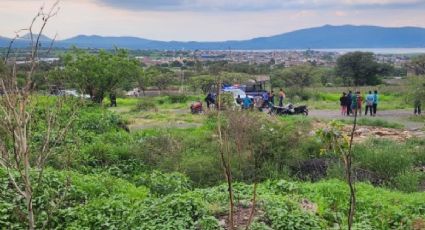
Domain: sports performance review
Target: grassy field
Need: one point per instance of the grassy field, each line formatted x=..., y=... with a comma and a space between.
x=167, y=173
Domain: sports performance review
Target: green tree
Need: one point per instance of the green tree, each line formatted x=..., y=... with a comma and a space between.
x=416, y=89
x=164, y=80
x=144, y=78
x=203, y=82
x=417, y=65
x=97, y=74
x=358, y=68
x=297, y=76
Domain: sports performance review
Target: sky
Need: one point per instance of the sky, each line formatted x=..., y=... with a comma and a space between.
x=206, y=20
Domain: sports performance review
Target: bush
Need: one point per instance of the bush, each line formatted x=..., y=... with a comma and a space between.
x=297, y=94
x=407, y=182
x=144, y=105
x=382, y=159
x=162, y=184
x=174, y=99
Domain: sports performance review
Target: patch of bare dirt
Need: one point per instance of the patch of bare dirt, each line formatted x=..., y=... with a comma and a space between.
x=363, y=133
x=241, y=217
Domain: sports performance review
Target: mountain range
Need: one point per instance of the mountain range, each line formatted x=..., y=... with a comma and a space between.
x=324, y=37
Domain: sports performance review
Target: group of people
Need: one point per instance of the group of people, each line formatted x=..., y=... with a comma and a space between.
x=352, y=103
x=267, y=99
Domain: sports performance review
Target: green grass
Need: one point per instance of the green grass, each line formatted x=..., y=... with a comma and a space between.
x=374, y=122
x=417, y=118
x=330, y=101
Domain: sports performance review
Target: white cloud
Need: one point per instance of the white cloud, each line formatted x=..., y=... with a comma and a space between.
x=254, y=5
x=89, y=17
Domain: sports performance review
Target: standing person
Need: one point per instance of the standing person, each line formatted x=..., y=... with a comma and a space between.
x=349, y=102
x=359, y=102
x=369, y=103
x=113, y=99
x=209, y=100
x=343, y=103
x=265, y=100
x=271, y=97
x=375, y=102
x=281, y=97
x=354, y=105
x=417, y=106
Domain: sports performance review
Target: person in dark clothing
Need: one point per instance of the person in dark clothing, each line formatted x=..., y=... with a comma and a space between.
x=113, y=99
x=349, y=102
x=239, y=100
x=209, y=100
x=417, y=107
x=343, y=103
x=271, y=97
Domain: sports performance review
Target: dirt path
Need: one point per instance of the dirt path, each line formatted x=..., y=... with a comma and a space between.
x=394, y=116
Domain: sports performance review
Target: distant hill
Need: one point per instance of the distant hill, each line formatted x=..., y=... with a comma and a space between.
x=27, y=37
x=325, y=37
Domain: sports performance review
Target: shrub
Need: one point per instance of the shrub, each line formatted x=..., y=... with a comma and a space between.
x=407, y=182
x=287, y=215
x=174, y=99
x=162, y=184
x=383, y=159
x=298, y=94
x=145, y=105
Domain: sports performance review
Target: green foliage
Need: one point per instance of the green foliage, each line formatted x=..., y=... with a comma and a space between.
x=358, y=68
x=375, y=122
x=178, y=98
x=383, y=159
x=286, y=215
x=417, y=64
x=162, y=184
x=144, y=105
x=416, y=93
x=297, y=76
x=407, y=181
x=203, y=82
x=98, y=74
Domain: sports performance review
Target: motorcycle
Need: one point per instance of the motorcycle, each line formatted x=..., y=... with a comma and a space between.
x=288, y=110
x=196, y=108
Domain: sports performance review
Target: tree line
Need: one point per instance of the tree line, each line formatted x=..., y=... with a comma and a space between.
x=98, y=74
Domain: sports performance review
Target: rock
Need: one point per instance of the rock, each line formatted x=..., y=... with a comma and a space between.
x=222, y=223
x=363, y=131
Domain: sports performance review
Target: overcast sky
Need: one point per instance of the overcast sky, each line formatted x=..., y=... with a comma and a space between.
x=207, y=20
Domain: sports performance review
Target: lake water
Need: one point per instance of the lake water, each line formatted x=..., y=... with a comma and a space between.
x=373, y=50
x=379, y=50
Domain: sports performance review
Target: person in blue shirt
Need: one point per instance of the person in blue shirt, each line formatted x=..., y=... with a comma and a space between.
x=247, y=103
x=370, y=98
x=265, y=99
x=375, y=102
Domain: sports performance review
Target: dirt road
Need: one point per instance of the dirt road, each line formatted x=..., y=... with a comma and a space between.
x=395, y=116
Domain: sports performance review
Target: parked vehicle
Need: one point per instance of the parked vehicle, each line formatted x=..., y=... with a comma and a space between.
x=255, y=89
x=288, y=110
x=73, y=93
